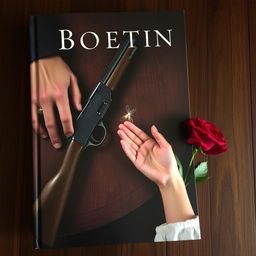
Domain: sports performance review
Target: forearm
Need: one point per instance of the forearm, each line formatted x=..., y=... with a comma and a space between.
x=176, y=203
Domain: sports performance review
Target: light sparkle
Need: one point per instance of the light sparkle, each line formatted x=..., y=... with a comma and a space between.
x=129, y=114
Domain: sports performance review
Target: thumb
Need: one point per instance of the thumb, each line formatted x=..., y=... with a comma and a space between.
x=76, y=95
x=161, y=141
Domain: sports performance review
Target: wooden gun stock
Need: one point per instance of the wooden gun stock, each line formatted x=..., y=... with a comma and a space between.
x=50, y=204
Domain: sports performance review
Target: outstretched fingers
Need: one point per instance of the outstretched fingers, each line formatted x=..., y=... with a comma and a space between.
x=124, y=137
x=130, y=153
x=161, y=141
x=133, y=137
x=141, y=135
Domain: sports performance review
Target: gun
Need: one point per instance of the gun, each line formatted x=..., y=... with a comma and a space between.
x=50, y=204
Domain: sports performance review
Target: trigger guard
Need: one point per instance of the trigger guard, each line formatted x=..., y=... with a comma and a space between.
x=94, y=142
x=92, y=139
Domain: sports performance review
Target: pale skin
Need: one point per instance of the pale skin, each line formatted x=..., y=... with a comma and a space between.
x=154, y=157
x=51, y=79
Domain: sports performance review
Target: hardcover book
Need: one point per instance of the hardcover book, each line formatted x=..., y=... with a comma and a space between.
x=109, y=96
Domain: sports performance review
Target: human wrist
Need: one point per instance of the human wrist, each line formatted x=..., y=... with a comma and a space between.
x=173, y=182
x=174, y=193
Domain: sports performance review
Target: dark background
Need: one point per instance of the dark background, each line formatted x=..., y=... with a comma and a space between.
x=221, y=60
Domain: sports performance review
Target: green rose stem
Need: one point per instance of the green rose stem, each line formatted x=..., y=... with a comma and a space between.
x=195, y=150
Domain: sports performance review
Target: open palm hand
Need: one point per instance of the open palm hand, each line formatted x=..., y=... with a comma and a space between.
x=153, y=157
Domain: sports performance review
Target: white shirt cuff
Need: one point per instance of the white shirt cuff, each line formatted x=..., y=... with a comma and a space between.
x=185, y=230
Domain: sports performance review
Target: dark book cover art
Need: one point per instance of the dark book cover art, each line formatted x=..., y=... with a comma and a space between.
x=103, y=85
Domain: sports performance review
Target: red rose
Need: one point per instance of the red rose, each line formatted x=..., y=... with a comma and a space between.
x=207, y=136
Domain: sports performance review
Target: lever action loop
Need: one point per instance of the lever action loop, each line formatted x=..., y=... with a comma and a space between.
x=95, y=142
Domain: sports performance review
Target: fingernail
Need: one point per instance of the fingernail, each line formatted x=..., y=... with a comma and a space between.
x=69, y=134
x=57, y=145
x=44, y=136
x=79, y=106
x=154, y=127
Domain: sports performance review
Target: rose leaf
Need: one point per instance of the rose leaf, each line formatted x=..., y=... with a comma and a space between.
x=202, y=179
x=201, y=171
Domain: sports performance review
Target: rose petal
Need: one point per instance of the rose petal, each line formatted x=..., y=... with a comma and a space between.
x=206, y=135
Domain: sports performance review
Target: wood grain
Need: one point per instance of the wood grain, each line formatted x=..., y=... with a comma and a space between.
x=252, y=59
x=231, y=186
x=221, y=50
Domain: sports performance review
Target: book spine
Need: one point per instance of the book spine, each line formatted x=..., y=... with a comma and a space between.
x=35, y=140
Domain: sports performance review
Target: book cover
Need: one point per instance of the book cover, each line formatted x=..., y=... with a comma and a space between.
x=109, y=95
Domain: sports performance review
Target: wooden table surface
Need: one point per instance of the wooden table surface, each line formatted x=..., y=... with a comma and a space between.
x=221, y=42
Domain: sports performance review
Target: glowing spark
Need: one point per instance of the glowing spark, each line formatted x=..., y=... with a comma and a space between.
x=128, y=115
